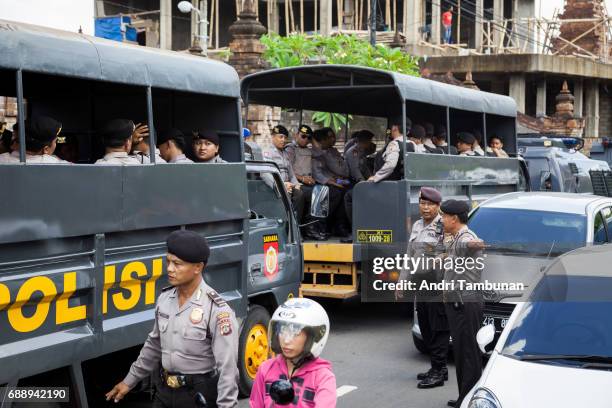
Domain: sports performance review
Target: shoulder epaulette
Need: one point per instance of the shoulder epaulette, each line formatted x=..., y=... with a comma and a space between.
x=216, y=298
x=167, y=288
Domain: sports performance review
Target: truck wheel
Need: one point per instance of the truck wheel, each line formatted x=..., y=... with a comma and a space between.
x=420, y=344
x=253, y=347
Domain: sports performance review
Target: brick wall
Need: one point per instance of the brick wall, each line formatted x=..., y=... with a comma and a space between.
x=605, y=112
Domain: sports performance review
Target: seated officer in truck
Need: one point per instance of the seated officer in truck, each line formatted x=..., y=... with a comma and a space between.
x=439, y=139
x=171, y=145
x=117, y=139
x=465, y=141
x=206, y=147
x=389, y=162
x=41, y=134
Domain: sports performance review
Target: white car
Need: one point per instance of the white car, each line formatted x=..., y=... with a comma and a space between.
x=556, y=350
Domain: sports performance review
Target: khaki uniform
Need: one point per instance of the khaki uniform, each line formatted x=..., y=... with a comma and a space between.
x=391, y=157
x=197, y=338
x=9, y=158
x=356, y=162
x=117, y=158
x=45, y=159
x=144, y=158
x=300, y=159
x=181, y=158
x=327, y=164
x=282, y=161
x=216, y=159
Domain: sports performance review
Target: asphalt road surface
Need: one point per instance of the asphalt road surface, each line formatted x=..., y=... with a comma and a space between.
x=375, y=362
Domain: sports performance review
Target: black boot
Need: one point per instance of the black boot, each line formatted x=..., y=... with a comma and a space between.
x=311, y=232
x=452, y=403
x=443, y=370
x=435, y=379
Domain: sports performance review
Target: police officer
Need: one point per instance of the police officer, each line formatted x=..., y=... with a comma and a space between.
x=389, y=162
x=206, y=147
x=299, y=155
x=141, y=148
x=277, y=154
x=439, y=139
x=117, y=139
x=171, y=144
x=195, y=335
x=464, y=308
x=356, y=159
x=465, y=141
x=41, y=134
x=427, y=240
x=427, y=140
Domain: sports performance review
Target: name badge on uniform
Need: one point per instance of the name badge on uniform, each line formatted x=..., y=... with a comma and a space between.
x=196, y=315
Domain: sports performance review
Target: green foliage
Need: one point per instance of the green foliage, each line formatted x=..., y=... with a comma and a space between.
x=297, y=49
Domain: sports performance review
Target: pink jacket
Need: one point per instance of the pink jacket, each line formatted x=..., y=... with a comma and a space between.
x=314, y=384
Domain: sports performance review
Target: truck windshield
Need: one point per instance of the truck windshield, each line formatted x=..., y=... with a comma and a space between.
x=528, y=231
x=554, y=327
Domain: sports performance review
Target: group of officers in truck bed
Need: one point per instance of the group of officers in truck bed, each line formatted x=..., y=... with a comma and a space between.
x=311, y=158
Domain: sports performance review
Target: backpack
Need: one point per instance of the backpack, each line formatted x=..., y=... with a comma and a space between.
x=398, y=172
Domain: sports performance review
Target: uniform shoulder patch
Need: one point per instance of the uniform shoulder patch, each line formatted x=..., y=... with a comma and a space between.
x=216, y=298
x=224, y=323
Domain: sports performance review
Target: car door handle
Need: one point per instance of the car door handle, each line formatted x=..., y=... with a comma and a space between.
x=256, y=267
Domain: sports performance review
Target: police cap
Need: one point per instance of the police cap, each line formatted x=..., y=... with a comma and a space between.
x=454, y=207
x=189, y=246
x=171, y=134
x=430, y=194
x=280, y=130
x=305, y=130
x=207, y=135
x=466, y=137
x=42, y=129
x=364, y=135
x=116, y=132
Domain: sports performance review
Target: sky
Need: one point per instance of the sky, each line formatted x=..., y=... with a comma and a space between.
x=62, y=14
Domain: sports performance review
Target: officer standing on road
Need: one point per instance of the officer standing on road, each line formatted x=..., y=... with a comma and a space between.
x=464, y=308
x=195, y=335
x=427, y=240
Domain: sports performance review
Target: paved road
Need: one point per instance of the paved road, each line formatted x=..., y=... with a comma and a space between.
x=370, y=347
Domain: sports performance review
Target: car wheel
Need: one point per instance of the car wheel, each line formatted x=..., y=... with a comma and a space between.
x=253, y=347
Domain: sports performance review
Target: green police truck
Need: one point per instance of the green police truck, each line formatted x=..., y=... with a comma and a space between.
x=82, y=247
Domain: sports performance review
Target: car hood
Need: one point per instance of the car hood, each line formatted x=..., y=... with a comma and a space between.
x=520, y=384
x=513, y=268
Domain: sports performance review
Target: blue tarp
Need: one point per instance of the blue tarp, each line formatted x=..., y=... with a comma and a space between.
x=110, y=28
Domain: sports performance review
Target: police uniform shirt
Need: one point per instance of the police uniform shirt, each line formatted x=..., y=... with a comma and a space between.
x=355, y=160
x=216, y=159
x=457, y=247
x=9, y=158
x=422, y=236
x=117, y=158
x=328, y=164
x=144, y=158
x=468, y=153
x=44, y=159
x=181, y=158
x=390, y=157
x=197, y=338
x=282, y=161
x=478, y=150
x=300, y=159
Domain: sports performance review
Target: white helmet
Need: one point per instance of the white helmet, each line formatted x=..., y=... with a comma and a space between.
x=299, y=314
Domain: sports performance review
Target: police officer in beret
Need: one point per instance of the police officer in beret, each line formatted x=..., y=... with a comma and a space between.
x=464, y=308
x=117, y=139
x=465, y=141
x=206, y=147
x=195, y=335
x=171, y=145
x=41, y=134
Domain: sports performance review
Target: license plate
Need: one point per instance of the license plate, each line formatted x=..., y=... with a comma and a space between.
x=498, y=322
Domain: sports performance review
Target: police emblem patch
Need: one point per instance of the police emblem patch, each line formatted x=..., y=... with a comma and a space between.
x=224, y=323
x=196, y=315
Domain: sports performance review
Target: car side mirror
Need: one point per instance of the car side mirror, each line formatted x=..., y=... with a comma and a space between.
x=485, y=336
x=545, y=180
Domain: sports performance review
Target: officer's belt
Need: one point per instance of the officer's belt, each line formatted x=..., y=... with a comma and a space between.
x=177, y=380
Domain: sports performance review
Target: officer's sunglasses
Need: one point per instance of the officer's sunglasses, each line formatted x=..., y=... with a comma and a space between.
x=304, y=136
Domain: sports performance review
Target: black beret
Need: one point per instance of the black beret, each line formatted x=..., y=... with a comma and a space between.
x=466, y=137
x=207, y=135
x=430, y=194
x=365, y=135
x=454, y=207
x=171, y=134
x=305, y=129
x=429, y=129
x=280, y=130
x=418, y=132
x=42, y=129
x=189, y=246
x=117, y=131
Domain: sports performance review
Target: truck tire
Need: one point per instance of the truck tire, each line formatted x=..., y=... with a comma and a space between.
x=253, y=347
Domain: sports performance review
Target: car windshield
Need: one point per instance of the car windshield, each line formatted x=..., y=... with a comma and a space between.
x=527, y=231
x=564, y=332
